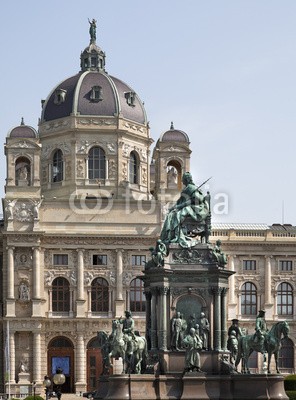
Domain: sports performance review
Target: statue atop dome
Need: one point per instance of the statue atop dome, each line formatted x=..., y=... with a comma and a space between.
x=93, y=30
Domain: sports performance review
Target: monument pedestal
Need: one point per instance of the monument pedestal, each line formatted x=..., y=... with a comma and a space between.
x=193, y=386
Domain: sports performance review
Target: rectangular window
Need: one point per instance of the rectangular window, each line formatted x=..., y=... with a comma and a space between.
x=99, y=259
x=249, y=265
x=138, y=260
x=286, y=265
x=60, y=259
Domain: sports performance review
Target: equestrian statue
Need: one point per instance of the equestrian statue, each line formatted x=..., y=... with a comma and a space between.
x=126, y=343
x=266, y=342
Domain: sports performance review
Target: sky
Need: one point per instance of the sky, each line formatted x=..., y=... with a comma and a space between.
x=222, y=70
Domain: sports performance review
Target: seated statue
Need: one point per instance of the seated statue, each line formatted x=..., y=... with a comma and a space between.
x=218, y=254
x=192, y=203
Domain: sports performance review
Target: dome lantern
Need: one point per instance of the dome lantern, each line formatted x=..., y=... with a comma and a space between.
x=93, y=57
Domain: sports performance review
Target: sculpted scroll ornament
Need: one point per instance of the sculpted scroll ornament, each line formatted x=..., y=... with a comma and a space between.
x=134, y=127
x=100, y=122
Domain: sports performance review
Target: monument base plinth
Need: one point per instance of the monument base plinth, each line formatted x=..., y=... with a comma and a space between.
x=193, y=386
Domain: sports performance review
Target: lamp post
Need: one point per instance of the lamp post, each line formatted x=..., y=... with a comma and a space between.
x=34, y=390
x=59, y=379
x=47, y=384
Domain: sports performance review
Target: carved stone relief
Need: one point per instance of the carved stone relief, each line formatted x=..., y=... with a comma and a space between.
x=23, y=258
x=134, y=127
x=126, y=150
x=144, y=175
x=88, y=277
x=80, y=169
x=68, y=170
x=92, y=121
x=112, y=169
x=23, y=212
x=124, y=171
x=127, y=277
x=47, y=149
x=24, y=291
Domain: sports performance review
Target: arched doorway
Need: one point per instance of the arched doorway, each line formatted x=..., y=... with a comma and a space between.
x=61, y=354
x=94, y=364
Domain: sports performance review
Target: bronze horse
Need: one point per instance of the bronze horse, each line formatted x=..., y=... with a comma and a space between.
x=272, y=345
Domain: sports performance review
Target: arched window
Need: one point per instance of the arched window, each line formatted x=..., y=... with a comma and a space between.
x=286, y=355
x=285, y=299
x=99, y=295
x=22, y=171
x=57, y=166
x=96, y=163
x=60, y=295
x=249, y=299
x=137, y=296
x=133, y=168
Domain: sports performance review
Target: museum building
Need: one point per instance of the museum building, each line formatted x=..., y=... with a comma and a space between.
x=85, y=198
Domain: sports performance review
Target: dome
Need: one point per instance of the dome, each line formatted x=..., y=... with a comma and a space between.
x=93, y=92
x=174, y=135
x=22, y=131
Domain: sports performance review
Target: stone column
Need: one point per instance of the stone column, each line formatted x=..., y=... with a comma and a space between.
x=37, y=357
x=268, y=301
x=239, y=302
x=36, y=273
x=10, y=301
x=231, y=297
x=162, y=331
x=50, y=302
x=119, y=302
x=80, y=362
x=153, y=319
x=148, y=297
x=80, y=301
x=80, y=275
x=119, y=287
x=89, y=302
x=217, y=318
x=224, y=319
x=71, y=314
x=12, y=357
x=10, y=273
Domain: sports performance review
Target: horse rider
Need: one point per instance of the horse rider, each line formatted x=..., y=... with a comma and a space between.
x=260, y=331
x=128, y=325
